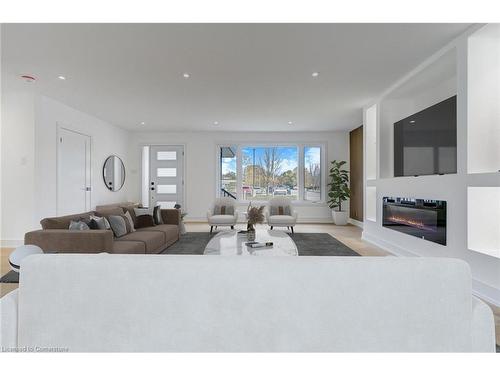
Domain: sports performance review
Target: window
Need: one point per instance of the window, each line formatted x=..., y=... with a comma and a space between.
x=268, y=172
x=312, y=173
x=258, y=173
x=228, y=171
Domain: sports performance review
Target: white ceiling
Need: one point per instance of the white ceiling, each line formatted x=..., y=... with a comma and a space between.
x=247, y=77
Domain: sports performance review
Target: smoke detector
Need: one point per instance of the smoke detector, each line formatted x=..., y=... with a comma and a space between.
x=28, y=78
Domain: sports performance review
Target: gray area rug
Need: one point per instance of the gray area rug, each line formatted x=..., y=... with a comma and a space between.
x=10, y=278
x=312, y=244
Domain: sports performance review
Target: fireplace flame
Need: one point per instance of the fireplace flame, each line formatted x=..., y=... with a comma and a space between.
x=410, y=222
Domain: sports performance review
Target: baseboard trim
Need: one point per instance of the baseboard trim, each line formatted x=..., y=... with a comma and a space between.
x=479, y=289
x=486, y=292
x=357, y=223
x=305, y=220
x=11, y=243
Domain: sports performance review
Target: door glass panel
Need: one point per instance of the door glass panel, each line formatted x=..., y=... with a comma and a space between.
x=166, y=204
x=166, y=189
x=166, y=155
x=166, y=172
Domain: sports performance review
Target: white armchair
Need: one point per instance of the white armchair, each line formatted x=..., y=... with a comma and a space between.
x=280, y=213
x=222, y=213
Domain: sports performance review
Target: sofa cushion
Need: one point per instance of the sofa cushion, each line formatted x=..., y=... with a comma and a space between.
x=154, y=241
x=114, y=205
x=106, y=212
x=129, y=247
x=62, y=222
x=170, y=232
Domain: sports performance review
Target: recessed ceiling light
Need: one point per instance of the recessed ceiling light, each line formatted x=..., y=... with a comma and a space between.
x=315, y=74
x=412, y=121
x=216, y=123
x=186, y=75
x=143, y=123
x=290, y=122
x=62, y=78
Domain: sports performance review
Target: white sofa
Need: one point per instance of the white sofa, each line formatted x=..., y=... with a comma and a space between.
x=188, y=303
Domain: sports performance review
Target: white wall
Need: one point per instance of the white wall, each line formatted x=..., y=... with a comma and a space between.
x=451, y=188
x=18, y=161
x=106, y=140
x=201, y=162
x=29, y=149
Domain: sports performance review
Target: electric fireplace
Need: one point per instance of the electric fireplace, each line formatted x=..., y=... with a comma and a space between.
x=421, y=218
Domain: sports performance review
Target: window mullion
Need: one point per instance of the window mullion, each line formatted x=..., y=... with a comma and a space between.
x=300, y=172
x=239, y=174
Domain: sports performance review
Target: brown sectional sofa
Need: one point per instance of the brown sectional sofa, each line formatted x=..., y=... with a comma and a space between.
x=55, y=237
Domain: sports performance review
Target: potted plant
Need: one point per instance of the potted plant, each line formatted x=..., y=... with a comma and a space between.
x=255, y=215
x=338, y=191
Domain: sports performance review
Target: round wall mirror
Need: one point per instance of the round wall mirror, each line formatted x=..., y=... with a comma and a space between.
x=113, y=173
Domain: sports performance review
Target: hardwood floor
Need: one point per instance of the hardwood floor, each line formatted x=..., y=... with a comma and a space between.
x=350, y=235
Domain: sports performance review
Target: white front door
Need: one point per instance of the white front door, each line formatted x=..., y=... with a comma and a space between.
x=166, y=176
x=73, y=172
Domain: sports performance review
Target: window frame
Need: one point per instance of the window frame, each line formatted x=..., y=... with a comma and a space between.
x=300, y=168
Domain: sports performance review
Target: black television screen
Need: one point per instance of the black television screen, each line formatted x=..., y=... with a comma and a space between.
x=426, y=143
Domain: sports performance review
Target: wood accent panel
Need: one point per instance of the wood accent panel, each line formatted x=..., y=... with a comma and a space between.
x=356, y=173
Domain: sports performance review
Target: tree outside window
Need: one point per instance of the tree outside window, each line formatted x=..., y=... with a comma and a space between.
x=268, y=172
x=312, y=174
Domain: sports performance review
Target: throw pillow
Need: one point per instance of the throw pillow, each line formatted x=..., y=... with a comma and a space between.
x=144, y=217
x=118, y=225
x=131, y=210
x=280, y=210
x=78, y=225
x=92, y=224
x=157, y=215
x=224, y=210
x=130, y=220
x=144, y=221
x=102, y=222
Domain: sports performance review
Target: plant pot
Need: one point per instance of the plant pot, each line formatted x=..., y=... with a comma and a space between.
x=251, y=235
x=250, y=232
x=340, y=217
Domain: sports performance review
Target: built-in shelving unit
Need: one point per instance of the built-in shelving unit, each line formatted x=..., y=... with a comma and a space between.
x=483, y=100
x=431, y=85
x=371, y=143
x=483, y=220
x=468, y=67
x=371, y=203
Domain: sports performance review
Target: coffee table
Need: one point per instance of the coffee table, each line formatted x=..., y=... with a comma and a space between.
x=232, y=243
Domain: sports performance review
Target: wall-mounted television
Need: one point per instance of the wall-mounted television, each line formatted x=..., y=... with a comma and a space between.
x=425, y=143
